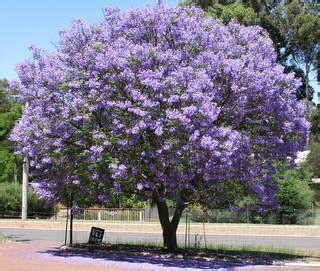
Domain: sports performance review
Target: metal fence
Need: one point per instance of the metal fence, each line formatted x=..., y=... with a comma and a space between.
x=101, y=214
x=299, y=217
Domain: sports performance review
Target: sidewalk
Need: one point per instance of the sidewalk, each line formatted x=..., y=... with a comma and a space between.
x=154, y=227
x=39, y=257
x=36, y=257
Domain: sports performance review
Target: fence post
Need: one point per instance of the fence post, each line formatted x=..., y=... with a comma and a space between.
x=99, y=215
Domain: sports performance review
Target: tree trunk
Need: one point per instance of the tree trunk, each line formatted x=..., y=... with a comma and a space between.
x=308, y=91
x=308, y=109
x=169, y=228
x=170, y=238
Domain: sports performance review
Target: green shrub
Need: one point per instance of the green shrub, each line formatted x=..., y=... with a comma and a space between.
x=11, y=199
x=295, y=195
x=125, y=201
x=7, y=164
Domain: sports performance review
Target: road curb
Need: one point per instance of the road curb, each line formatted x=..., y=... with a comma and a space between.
x=299, y=264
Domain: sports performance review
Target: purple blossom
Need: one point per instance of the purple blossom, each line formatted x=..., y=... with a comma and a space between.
x=208, y=142
x=96, y=149
x=139, y=186
x=104, y=198
x=159, y=131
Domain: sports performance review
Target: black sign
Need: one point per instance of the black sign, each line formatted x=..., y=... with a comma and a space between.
x=96, y=235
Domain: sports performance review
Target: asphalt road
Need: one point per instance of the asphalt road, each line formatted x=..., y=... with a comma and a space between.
x=57, y=237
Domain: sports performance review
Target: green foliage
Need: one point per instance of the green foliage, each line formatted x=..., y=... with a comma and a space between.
x=7, y=164
x=10, y=202
x=246, y=202
x=5, y=103
x=9, y=113
x=237, y=11
x=297, y=40
x=7, y=120
x=301, y=27
x=313, y=159
x=125, y=201
x=295, y=194
x=7, y=157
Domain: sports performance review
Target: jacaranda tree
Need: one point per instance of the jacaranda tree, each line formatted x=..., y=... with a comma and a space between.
x=161, y=102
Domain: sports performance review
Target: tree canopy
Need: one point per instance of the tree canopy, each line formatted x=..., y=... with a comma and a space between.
x=161, y=102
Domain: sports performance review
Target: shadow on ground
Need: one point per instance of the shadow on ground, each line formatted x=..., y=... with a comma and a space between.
x=195, y=259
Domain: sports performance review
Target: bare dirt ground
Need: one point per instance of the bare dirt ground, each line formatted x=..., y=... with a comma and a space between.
x=16, y=256
x=36, y=257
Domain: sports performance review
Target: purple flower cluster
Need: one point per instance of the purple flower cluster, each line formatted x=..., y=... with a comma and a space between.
x=159, y=98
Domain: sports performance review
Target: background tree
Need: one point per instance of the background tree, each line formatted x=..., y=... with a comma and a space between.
x=10, y=203
x=240, y=13
x=163, y=103
x=9, y=113
x=301, y=29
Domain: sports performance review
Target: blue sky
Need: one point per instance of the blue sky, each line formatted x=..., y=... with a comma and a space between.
x=38, y=22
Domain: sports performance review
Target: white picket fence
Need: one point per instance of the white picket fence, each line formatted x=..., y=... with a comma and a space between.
x=100, y=214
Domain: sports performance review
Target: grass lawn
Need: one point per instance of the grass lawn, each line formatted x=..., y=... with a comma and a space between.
x=222, y=254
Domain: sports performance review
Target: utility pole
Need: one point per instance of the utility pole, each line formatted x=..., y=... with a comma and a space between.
x=25, y=183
